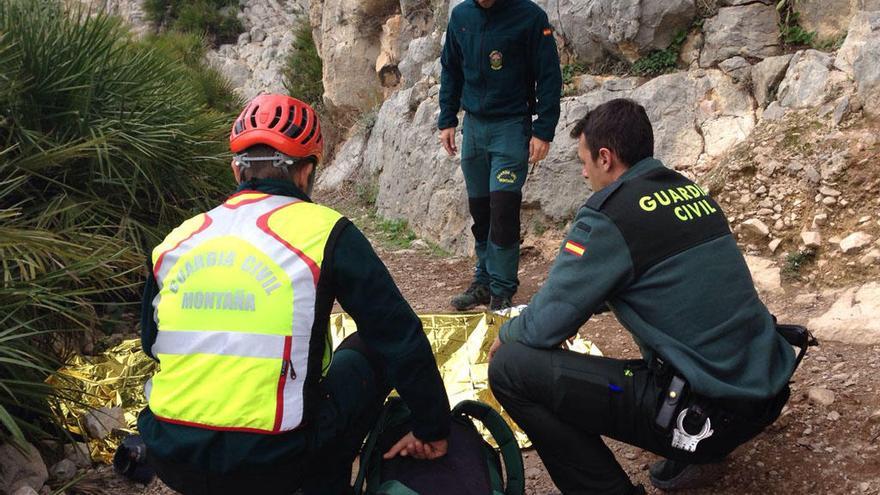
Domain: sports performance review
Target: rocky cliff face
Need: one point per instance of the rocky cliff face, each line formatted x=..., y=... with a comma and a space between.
x=253, y=65
x=739, y=79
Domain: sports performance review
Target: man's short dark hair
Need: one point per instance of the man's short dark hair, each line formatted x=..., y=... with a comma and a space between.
x=265, y=170
x=622, y=126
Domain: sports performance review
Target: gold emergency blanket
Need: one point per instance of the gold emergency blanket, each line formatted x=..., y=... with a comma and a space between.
x=460, y=343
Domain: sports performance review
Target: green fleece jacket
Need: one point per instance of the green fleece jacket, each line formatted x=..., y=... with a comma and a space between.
x=659, y=250
x=500, y=62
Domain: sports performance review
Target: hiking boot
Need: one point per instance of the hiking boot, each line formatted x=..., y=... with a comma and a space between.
x=497, y=303
x=669, y=475
x=475, y=295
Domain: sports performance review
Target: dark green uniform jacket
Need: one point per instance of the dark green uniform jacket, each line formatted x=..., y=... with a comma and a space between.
x=660, y=251
x=386, y=323
x=492, y=60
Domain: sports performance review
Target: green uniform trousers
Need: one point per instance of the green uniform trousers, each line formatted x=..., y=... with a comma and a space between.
x=494, y=160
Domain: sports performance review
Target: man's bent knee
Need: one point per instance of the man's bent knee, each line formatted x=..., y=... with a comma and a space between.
x=504, y=367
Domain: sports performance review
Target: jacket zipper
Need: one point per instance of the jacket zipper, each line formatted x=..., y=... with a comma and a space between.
x=483, y=61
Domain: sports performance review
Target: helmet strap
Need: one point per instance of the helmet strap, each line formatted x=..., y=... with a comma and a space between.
x=279, y=160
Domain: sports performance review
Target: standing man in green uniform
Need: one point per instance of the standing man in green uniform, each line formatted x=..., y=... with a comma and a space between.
x=659, y=250
x=501, y=65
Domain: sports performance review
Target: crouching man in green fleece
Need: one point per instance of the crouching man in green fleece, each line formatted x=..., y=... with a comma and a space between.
x=659, y=250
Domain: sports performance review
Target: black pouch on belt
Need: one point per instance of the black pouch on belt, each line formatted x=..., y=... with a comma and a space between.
x=671, y=402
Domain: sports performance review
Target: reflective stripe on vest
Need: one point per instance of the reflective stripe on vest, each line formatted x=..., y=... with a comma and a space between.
x=235, y=312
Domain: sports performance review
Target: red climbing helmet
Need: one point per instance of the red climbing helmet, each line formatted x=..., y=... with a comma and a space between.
x=284, y=123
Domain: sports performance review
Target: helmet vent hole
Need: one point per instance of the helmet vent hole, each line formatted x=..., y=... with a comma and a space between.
x=276, y=119
x=313, y=131
x=289, y=122
x=254, y=116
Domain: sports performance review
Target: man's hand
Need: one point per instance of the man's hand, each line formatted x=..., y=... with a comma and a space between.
x=447, y=139
x=409, y=445
x=495, y=346
x=538, y=149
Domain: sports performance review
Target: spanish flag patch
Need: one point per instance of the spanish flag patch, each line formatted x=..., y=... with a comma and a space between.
x=574, y=248
x=548, y=31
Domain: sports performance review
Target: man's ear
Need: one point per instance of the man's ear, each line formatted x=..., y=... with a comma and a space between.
x=606, y=158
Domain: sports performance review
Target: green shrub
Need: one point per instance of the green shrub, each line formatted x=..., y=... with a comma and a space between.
x=397, y=232
x=570, y=71
x=214, y=18
x=790, y=31
x=795, y=261
x=106, y=143
x=303, y=72
x=212, y=88
x=660, y=61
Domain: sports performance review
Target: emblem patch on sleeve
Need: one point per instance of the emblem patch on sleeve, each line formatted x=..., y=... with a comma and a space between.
x=574, y=248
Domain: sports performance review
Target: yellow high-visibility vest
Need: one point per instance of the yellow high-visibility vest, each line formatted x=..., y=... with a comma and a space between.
x=242, y=314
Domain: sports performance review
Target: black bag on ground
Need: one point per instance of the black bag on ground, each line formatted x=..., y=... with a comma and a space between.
x=470, y=467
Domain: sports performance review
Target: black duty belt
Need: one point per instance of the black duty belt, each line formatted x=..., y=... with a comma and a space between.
x=691, y=424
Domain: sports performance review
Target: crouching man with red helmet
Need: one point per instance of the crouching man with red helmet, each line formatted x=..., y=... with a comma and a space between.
x=250, y=397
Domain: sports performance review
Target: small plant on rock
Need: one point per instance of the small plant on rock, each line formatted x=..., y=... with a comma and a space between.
x=660, y=62
x=795, y=261
x=790, y=31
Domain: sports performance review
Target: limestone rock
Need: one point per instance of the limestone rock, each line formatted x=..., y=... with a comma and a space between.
x=421, y=52
x=26, y=490
x=131, y=11
x=349, y=31
x=63, y=471
x=715, y=114
x=774, y=245
x=345, y=167
x=765, y=274
x=871, y=258
x=625, y=28
x=864, y=27
x=19, y=469
x=820, y=396
x=690, y=49
x=99, y=423
x=811, y=239
x=852, y=318
x=738, y=68
x=867, y=77
x=756, y=227
x=855, y=242
x=773, y=112
x=418, y=20
x=748, y=30
x=389, y=56
x=827, y=18
x=807, y=80
x=766, y=76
